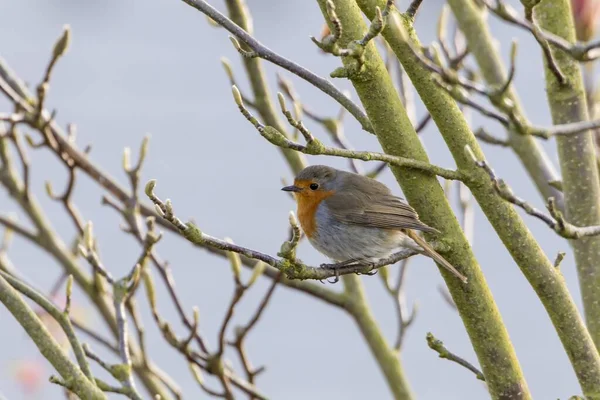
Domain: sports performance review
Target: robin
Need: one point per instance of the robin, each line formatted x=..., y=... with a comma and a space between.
x=356, y=220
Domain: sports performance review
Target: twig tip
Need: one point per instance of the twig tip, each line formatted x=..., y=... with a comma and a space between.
x=237, y=96
x=149, y=189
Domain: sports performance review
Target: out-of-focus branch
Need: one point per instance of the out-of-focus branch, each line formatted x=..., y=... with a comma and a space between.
x=333, y=126
x=122, y=290
x=60, y=316
x=163, y=267
x=396, y=291
x=210, y=362
x=259, y=50
x=47, y=239
x=578, y=51
x=73, y=377
x=262, y=99
x=242, y=332
x=18, y=93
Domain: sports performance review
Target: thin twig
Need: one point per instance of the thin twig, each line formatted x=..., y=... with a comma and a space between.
x=485, y=137
x=397, y=292
x=579, y=51
x=14, y=89
x=411, y=12
x=543, y=42
x=122, y=289
x=269, y=55
x=555, y=220
x=292, y=269
x=423, y=123
x=333, y=126
x=443, y=352
x=447, y=298
x=315, y=147
x=11, y=224
x=242, y=333
x=211, y=364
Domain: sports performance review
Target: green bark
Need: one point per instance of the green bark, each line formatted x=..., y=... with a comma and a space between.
x=354, y=299
x=398, y=137
x=537, y=268
x=387, y=358
x=260, y=88
x=48, y=240
x=577, y=158
x=73, y=377
x=472, y=23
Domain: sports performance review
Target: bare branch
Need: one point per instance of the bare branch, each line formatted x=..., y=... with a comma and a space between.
x=555, y=220
x=443, y=352
x=14, y=226
x=269, y=55
x=60, y=316
x=447, y=298
x=355, y=49
x=405, y=319
x=242, y=332
x=485, y=137
x=579, y=51
x=291, y=269
x=411, y=12
x=333, y=126
x=315, y=147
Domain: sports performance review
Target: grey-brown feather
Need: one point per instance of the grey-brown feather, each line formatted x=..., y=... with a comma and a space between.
x=364, y=201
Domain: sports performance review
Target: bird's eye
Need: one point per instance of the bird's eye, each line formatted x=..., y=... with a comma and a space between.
x=314, y=186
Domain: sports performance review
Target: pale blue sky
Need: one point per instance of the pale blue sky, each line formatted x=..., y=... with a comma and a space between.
x=138, y=67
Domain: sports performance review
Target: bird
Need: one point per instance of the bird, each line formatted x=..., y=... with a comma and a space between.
x=356, y=220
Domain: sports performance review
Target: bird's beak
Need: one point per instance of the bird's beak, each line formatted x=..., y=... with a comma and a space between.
x=291, y=189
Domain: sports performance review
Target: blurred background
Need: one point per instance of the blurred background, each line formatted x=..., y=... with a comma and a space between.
x=152, y=67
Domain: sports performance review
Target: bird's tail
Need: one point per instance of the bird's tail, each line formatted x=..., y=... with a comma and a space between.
x=434, y=255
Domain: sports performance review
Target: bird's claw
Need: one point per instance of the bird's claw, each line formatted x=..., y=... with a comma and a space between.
x=336, y=277
x=369, y=273
x=335, y=269
x=353, y=262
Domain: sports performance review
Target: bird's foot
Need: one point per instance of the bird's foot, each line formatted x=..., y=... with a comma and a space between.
x=369, y=273
x=348, y=263
x=336, y=269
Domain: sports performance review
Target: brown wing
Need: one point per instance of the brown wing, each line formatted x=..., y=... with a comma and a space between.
x=366, y=202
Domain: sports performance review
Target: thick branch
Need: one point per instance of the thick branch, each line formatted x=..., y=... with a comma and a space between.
x=50, y=349
x=577, y=156
x=503, y=378
x=62, y=317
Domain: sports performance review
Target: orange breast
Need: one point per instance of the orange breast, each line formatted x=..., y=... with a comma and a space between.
x=307, y=209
